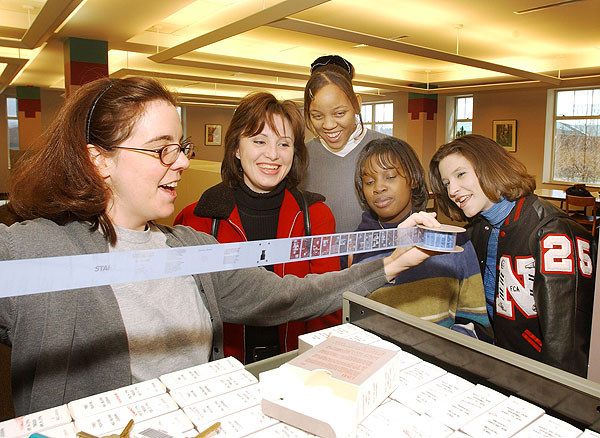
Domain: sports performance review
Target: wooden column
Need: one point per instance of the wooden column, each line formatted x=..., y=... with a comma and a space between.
x=29, y=115
x=85, y=61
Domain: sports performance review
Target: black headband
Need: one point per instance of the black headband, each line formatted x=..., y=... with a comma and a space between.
x=322, y=61
x=88, y=119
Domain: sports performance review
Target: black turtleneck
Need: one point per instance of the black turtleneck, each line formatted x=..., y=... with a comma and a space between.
x=259, y=213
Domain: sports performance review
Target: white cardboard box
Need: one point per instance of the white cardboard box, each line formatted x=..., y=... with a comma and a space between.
x=174, y=423
x=466, y=406
x=392, y=419
x=346, y=331
x=64, y=431
x=415, y=376
x=95, y=404
x=196, y=374
x=281, y=430
x=218, y=407
x=385, y=420
x=214, y=387
x=437, y=391
x=117, y=419
x=36, y=422
x=548, y=426
x=241, y=424
x=504, y=419
x=331, y=388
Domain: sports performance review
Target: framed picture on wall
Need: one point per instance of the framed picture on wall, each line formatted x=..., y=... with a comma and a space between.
x=504, y=132
x=212, y=135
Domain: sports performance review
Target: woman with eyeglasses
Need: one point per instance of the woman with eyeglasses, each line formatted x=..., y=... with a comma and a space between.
x=332, y=112
x=265, y=159
x=101, y=175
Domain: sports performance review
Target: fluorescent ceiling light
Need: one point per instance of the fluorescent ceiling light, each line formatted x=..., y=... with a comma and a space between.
x=71, y=15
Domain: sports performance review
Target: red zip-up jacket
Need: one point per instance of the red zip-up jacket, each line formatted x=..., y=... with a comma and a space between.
x=219, y=202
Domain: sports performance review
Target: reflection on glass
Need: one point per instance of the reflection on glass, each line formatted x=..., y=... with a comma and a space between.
x=13, y=134
x=384, y=112
x=366, y=112
x=464, y=108
x=384, y=128
x=11, y=107
x=573, y=103
x=464, y=128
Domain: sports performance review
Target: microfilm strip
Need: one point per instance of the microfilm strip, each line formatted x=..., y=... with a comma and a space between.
x=48, y=274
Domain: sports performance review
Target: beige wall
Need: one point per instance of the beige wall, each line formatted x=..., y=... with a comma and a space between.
x=400, y=100
x=197, y=117
x=50, y=102
x=527, y=106
x=3, y=145
x=200, y=176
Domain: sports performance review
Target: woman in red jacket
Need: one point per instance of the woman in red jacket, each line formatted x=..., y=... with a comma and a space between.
x=265, y=159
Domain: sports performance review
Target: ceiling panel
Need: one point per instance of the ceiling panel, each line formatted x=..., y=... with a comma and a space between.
x=561, y=42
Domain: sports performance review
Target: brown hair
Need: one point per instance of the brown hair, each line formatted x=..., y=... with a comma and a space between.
x=392, y=153
x=323, y=76
x=248, y=120
x=500, y=174
x=58, y=180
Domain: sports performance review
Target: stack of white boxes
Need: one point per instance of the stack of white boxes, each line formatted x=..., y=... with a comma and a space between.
x=429, y=402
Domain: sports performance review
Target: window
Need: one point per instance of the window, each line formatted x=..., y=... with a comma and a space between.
x=378, y=117
x=576, y=137
x=12, y=115
x=463, y=111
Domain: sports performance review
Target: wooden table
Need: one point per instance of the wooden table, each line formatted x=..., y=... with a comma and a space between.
x=559, y=195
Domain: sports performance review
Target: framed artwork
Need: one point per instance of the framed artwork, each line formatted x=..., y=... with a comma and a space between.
x=212, y=135
x=504, y=132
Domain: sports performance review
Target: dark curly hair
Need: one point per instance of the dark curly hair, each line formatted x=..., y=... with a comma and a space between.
x=392, y=153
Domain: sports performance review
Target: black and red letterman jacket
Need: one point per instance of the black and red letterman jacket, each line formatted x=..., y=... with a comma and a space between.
x=544, y=283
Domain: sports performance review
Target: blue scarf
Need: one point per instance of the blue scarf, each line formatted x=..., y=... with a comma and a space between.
x=495, y=215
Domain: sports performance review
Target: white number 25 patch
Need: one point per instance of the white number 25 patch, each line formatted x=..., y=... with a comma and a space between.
x=557, y=255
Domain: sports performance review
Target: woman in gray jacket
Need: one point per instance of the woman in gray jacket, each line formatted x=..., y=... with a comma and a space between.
x=105, y=169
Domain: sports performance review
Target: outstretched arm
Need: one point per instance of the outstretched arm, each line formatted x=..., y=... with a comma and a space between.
x=407, y=257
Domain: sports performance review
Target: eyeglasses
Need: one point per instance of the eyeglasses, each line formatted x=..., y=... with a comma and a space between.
x=167, y=154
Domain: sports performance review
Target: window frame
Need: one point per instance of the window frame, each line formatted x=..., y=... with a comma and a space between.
x=456, y=121
x=550, y=134
x=15, y=118
x=8, y=119
x=371, y=125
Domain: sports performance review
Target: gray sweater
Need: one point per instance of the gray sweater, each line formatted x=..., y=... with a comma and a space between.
x=333, y=177
x=70, y=344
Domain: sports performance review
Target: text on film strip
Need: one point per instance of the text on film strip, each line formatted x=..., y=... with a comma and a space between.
x=30, y=276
